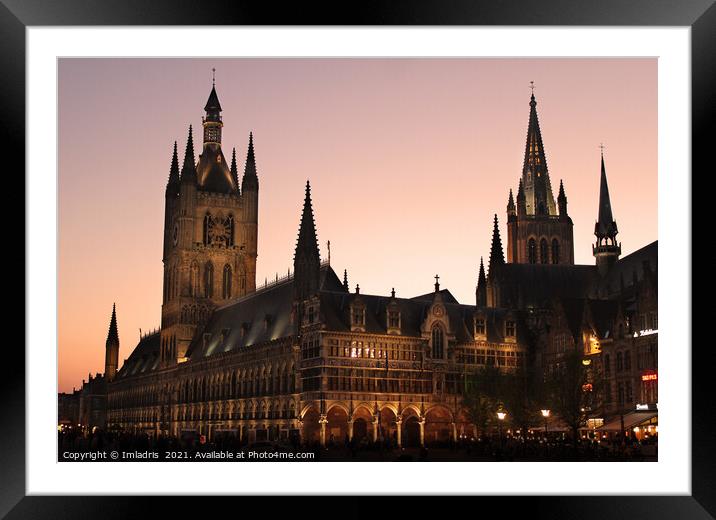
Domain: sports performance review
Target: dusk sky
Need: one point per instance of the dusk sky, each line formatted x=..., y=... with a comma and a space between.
x=409, y=159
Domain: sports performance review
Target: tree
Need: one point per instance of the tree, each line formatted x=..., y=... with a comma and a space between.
x=571, y=391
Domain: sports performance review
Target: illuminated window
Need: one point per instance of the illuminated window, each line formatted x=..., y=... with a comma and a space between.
x=480, y=326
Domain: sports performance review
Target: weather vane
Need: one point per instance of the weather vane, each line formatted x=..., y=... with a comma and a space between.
x=213, y=77
x=601, y=147
x=532, y=86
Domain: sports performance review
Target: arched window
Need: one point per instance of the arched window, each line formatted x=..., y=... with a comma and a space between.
x=555, y=251
x=230, y=221
x=207, y=220
x=438, y=342
x=209, y=280
x=543, y=252
x=194, y=279
x=532, y=251
x=226, y=283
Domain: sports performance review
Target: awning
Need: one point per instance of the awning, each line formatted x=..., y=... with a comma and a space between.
x=631, y=420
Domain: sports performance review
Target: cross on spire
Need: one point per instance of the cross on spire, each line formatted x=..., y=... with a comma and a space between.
x=532, y=87
x=437, y=283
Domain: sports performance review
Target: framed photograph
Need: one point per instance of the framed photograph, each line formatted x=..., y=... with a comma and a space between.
x=331, y=249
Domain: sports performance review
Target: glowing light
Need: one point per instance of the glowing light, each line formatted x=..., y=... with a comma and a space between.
x=545, y=413
x=501, y=415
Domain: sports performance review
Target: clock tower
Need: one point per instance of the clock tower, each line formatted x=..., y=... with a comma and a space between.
x=210, y=235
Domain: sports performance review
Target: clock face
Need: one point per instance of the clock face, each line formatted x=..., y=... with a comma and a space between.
x=175, y=234
x=219, y=232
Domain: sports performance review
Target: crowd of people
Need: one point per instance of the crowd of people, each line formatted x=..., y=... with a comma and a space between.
x=485, y=448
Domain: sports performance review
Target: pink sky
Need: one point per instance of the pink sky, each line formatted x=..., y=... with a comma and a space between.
x=408, y=161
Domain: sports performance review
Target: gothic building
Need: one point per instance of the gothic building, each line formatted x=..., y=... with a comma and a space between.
x=307, y=356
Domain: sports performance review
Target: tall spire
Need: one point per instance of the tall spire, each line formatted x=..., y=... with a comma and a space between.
x=606, y=250
x=250, y=180
x=113, y=335
x=481, y=286
x=173, y=182
x=307, y=258
x=188, y=170
x=234, y=169
x=345, y=280
x=538, y=191
x=606, y=226
x=111, y=358
x=497, y=257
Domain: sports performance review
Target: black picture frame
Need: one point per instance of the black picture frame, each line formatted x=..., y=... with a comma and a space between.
x=699, y=15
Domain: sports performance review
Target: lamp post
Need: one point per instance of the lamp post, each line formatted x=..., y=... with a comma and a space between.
x=501, y=414
x=545, y=416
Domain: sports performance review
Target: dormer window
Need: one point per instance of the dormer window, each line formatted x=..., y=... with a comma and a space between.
x=393, y=316
x=244, y=329
x=510, y=329
x=357, y=316
x=480, y=327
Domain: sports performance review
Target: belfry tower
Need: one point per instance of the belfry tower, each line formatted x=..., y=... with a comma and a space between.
x=606, y=250
x=210, y=234
x=536, y=232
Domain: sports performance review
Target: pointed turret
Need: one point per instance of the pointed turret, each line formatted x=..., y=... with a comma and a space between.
x=511, y=210
x=521, y=203
x=173, y=182
x=496, y=255
x=188, y=170
x=562, y=201
x=250, y=181
x=234, y=169
x=481, y=292
x=111, y=358
x=606, y=250
x=307, y=259
x=345, y=280
x=538, y=191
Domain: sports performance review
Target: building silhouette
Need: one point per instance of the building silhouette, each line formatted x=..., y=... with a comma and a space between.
x=307, y=356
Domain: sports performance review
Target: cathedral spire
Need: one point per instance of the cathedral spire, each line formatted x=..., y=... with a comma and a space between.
x=307, y=258
x=538, y=191
x=497, y=257
x=173, y=182
x=250, y=180
x=234, y=169
x=188, y=170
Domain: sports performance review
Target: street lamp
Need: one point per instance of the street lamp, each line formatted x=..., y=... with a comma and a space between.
x=501, y=414
x=545, y=414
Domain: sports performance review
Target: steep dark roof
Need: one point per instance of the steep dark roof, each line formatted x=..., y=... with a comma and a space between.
x=144, y=358
x=444, y=293
x=258, y=317
x=625, y=267
x=537, y=284
x=112, y=334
